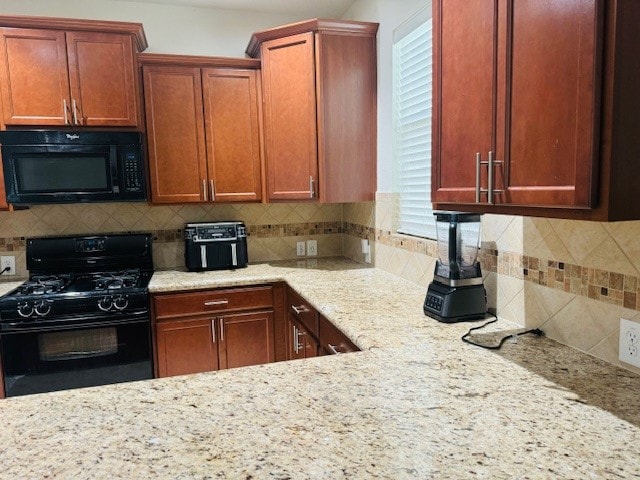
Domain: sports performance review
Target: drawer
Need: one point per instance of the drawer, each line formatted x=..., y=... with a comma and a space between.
x=302, y=311
x=212, y=301
x=332, y=340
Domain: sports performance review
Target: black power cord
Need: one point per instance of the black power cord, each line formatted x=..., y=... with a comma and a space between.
x=6, y=269
x=535, y=331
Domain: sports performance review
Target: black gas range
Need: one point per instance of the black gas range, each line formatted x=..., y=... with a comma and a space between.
x=82, y=318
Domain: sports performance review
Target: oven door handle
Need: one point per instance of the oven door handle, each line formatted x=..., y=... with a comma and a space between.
x=73, y=324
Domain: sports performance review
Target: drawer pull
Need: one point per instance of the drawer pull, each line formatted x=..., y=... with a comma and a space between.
x=300, y=309
x=213, y=303
x=333, y=349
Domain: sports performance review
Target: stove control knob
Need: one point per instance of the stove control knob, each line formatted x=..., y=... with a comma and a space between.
x=43, y=308
x=121, y=302
x=105, y=303
x=25, y=309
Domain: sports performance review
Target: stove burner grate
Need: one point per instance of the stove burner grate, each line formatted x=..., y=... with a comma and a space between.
x=116, y=280
x=44, y=284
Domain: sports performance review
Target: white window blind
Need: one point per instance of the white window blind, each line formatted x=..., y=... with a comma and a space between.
x=412, y=65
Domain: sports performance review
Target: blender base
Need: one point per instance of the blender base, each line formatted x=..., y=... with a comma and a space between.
x=455, y=304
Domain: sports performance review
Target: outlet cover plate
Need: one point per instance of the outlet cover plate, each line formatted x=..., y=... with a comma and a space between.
x=300, y=251
x=629, y=349
x=8, y=261
x=312, y=248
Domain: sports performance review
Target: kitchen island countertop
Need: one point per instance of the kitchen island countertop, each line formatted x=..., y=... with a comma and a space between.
x=415, y=403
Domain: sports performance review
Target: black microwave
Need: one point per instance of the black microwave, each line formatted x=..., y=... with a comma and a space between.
x=47, y=166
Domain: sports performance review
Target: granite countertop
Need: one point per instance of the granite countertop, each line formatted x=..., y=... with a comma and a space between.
x=415, y=403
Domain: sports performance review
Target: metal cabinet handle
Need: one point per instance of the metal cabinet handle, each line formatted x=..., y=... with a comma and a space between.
x=213, y=330
x=333, y=349
x=211, y=303
x=66, y=113
x=478, y=166
x=204, y=190
x=296, y=347
x=221, y=329
x=74, y=107
x=312, y=192
x=299, y=310
x=491, y=191
x=213, y=191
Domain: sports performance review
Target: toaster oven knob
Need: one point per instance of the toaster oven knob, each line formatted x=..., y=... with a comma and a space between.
x=25, y=309
x=105, y=303
x=43, y=308
x=120, y=302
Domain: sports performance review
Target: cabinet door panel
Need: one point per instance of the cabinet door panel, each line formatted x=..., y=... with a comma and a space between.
x=464, y=41
x=175, y=134
x=186, y=346
x=246, y=339
x=102, y=79
x=232, y=133
x=33, y=76
x=288, y=76
x=552, y=109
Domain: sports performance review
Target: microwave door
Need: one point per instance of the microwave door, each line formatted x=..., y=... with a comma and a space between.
x=56, y=175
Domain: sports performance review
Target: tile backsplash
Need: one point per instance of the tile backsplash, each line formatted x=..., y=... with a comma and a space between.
x=273, y=228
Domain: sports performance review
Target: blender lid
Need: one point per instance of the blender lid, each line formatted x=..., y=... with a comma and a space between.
x=459, y=217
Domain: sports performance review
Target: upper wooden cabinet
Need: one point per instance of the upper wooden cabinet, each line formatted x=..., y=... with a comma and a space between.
x=319, y=87
x=69, y=72
x=534, y=117
x=203, y=128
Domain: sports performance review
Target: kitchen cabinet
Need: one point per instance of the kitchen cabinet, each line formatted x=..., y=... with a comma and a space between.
x=332, y=340
x=319, y=87
x=203, y=129
x=534, y=117
x=69, y=72
x=302, y=327
x=207, y=330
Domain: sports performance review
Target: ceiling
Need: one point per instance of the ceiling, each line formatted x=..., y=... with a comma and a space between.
x=302, y=8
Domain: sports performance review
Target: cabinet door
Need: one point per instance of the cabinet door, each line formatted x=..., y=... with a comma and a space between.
x=232, y=133
x=464, y=40
x=246, y=339
x=186, y=346
x=102, y=79
x=290, y=128
x=33, y=77
x=550, y=102
x=175, y=134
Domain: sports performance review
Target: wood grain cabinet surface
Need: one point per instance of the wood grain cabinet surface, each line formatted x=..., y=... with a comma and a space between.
x=319, y=87
x=69, y=72
x=207, y=330
x=203, y=128
x=544, y=98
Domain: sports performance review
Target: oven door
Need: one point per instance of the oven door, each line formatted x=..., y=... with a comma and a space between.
x=37, y=360
x=60, y=173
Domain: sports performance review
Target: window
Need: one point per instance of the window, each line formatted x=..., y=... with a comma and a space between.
x=412, y=67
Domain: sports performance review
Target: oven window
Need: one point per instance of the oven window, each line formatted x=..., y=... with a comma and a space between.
x=94, y=342
x=62, y=173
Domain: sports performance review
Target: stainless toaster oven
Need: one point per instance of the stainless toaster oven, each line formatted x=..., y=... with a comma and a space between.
x=215, y=246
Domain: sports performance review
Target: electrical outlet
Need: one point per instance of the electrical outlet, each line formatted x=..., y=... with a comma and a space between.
x=629, y=342
x=8, y=262
x=300, y=249
x=312, y=248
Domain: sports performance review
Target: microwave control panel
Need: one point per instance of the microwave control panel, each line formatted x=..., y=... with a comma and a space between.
x=132, y=172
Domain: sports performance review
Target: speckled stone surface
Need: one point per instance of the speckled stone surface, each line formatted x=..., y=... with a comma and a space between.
x=416, y=403
x=6, y=287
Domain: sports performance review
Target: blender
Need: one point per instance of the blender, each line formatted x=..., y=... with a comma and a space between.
x=457, y=293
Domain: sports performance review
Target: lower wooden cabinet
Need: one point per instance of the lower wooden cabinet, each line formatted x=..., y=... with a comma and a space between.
x=332, y=340
x=186, y=346
x=300, y=342
x=214, y=329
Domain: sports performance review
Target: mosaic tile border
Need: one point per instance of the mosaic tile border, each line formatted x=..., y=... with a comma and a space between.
x=11, y=244
x=610, y=287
